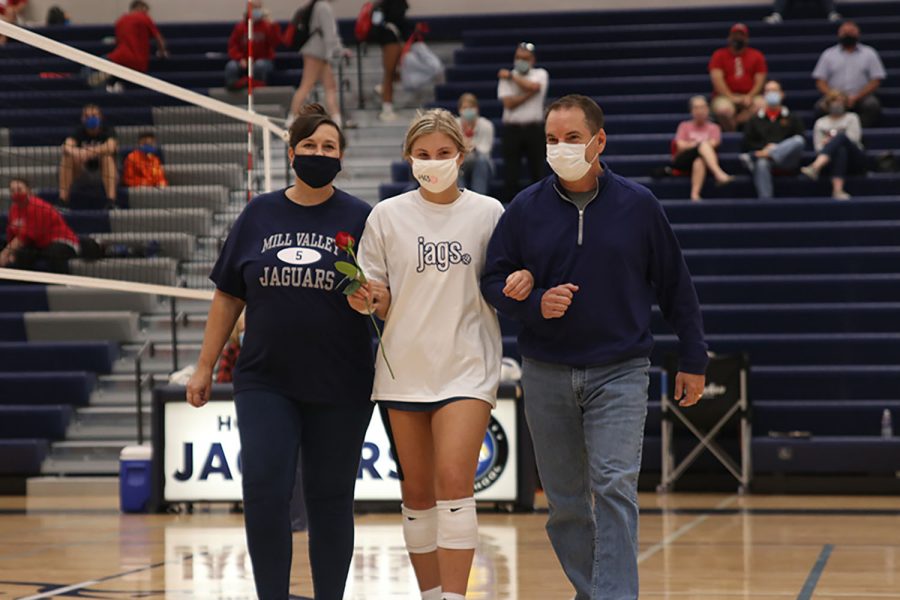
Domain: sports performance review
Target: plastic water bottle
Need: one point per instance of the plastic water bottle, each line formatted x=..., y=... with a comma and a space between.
x=887, y=424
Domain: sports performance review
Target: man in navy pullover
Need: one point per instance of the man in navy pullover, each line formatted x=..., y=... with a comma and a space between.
x=579, y=258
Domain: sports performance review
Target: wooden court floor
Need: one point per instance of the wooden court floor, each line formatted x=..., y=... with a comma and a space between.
x=692, y=546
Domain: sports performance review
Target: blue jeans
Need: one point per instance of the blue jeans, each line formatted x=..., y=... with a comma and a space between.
x=588, y=430
x=261, y=70
x=786, y=155
x=476, y=173
x=330, y=438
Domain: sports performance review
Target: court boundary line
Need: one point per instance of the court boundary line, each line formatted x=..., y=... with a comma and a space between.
x=79, y=586
x=812, y=580
x=687, y=527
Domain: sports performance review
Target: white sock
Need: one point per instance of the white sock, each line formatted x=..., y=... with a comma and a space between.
x=387, y=107
x=452, y=596
x=432, y=594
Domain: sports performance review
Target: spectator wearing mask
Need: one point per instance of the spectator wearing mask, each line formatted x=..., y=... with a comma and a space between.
x=773, y=138
x=779, y=6
x=837, y=138
x=36, y=232
x=522, y=90
x=323, y=45
x=854, y=69
x=143, y=167
x=738, y=73
x=91, y=147
x=478, y=133
x=695, y=145
x=266, y=38
x=133, y=33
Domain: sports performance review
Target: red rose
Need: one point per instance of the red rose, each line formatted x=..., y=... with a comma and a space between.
x=344, y=240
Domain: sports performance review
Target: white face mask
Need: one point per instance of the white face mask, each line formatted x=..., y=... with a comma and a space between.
x=436, y=175
x=567, y=160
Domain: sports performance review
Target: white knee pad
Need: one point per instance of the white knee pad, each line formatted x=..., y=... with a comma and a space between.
x=457, y=524
x=420, y=529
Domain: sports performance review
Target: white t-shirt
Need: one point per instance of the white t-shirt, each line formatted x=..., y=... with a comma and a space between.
x=441, y=336
x=530, y=111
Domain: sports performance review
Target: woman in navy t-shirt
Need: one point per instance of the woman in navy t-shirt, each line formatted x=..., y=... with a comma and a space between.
x=304, y=375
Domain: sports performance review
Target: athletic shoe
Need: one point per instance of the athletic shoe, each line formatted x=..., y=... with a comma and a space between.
x=747, y=161
x=810, y=172
x=773, y=19
x=834, y=16
x=387, y=115
x=841, y=196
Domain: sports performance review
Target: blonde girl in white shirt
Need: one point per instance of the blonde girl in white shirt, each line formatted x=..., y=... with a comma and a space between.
x=442, y=338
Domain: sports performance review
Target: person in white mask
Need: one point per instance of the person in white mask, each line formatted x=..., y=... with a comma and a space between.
x=522, y=90
x=601, y=252
x=443, y=343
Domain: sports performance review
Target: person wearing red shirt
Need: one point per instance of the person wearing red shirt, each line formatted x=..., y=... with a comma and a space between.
x=10, y=11
x=36, y=231
x=266, y=38
x=738, y=73
x=133, y=32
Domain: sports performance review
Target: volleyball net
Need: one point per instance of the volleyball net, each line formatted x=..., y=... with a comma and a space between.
x=117, y=175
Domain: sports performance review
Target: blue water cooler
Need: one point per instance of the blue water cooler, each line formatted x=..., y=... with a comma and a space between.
x=135, y=478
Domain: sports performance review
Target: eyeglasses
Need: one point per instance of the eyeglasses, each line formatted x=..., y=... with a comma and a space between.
x=527, y=46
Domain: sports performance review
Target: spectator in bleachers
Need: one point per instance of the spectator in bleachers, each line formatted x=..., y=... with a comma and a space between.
x=36, y=232
x=478, y=132
x=773, y=138
x=854, y=69
x=10, y=11
x=91, y=147
x=738, y=73
x=389, y=30
x=837, y=138
x=143, y=167
x=266, y=38
x=323, y=45
x=133, y=32
x=779, y=6
x=586, y=341
x=695, y=145
x=523, y=90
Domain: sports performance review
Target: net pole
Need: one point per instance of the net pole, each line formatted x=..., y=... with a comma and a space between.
x=267, y=160
x=249, y=99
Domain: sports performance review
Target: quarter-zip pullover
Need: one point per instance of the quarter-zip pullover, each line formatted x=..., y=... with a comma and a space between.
x=621, y=252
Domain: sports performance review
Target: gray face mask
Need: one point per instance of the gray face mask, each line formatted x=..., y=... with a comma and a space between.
x=521, y=66
x=836, y=109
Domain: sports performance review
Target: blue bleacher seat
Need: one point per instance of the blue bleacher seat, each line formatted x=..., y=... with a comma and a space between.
x=65, y=387
x=97, y=357
x=44, y=422
x=22, y=457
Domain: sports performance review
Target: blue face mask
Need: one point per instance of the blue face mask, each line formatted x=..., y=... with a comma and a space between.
x=469, y=114
x=92, y=122
x=316, y=171
x=258, y=14
x=773, y=99
x=521, y=66
x=147, y=148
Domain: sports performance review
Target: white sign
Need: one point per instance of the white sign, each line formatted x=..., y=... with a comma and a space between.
x=202, y=456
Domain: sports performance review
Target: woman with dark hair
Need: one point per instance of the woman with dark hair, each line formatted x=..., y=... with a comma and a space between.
x=291, y=383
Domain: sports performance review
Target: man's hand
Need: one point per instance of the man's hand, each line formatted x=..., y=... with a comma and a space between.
x=518, y=285
x=5, y=257
x=689, y=388
x=243, y=63
x=371, y=297
x=556, y=301
x=852, y=100
x=503, y=74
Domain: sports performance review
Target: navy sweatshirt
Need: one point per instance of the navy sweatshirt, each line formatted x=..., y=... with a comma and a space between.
x=623, y=255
